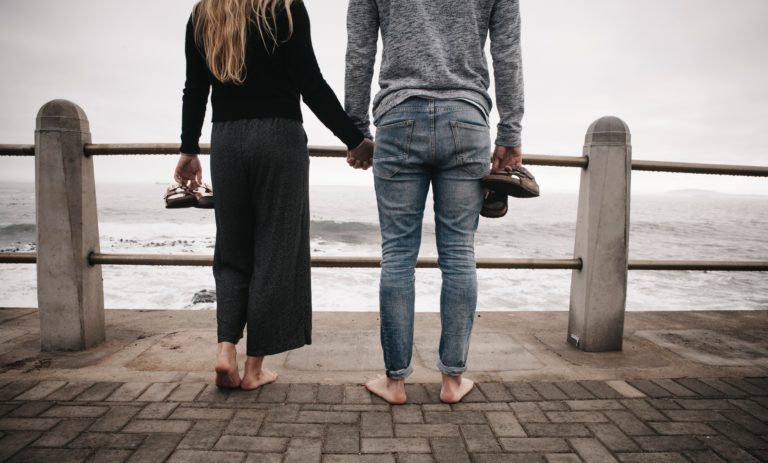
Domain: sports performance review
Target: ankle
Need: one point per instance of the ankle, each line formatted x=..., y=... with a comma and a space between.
x=226, y=348
x=396, y=382
x=254, y=365
x=449, y=380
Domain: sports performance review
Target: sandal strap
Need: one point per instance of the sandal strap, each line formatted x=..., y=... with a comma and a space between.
x=176, y=189
x=520, y=171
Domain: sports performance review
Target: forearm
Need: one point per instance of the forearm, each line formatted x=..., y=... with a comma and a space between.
x=194, y=105
x=319, y=97
x=195, y=99
x=362, y=37
x=315, y=91
x=508, y=71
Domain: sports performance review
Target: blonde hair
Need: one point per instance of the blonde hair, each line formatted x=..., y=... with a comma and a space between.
x=221, y=29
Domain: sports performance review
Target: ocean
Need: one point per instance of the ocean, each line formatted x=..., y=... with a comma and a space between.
x=677, y=225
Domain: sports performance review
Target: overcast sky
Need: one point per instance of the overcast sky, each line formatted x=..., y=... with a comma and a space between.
x=688, y=76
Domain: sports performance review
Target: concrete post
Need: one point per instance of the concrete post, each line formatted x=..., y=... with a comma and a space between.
x=70, y=294
x=599, y=289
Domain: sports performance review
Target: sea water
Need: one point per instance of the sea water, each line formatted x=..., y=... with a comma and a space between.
x=689, y=225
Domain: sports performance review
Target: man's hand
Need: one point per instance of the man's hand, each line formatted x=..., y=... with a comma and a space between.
x=189, y=170
x=504, y=156
x=362, y=156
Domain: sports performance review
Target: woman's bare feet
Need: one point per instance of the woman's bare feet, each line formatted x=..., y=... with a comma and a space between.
x=227, y=375
x=255, y=376
x=455, y=388
x=391, y=390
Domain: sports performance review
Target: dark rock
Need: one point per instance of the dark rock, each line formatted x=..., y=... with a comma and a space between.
x=204, y=297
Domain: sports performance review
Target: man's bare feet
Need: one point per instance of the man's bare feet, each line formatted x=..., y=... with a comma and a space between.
x=227, y=375
x=255, y=376
x=455, y=388
x=391, y=390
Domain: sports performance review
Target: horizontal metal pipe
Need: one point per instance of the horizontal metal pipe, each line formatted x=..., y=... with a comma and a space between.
x=555, y=161
x=692, y=168
x=331, y=262
x=17, y=150
x=374, y=262
x=315, y=151
x=18, y=257
x=121, y=149
x=699, y=265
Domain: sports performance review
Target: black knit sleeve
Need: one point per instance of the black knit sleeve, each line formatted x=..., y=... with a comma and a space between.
x=304, y=70
x=195, y=99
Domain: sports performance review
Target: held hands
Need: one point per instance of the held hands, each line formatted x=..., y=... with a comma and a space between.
x=362, y=156
x=505, y=156
x=188, y=170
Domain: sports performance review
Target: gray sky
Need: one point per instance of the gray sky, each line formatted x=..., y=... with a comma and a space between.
x=688, y=76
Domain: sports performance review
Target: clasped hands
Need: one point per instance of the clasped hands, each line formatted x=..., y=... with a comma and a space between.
x=361, y=157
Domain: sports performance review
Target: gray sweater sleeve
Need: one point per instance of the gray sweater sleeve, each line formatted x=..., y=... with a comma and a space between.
x=508, y=70
x=362, y=37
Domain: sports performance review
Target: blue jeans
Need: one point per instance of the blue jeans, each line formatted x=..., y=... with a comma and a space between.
x=446, y=143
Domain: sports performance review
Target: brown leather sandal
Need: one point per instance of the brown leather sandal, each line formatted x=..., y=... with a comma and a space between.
x=204, y=196
x=494, y=205
x=513, y=181
x=178, y=196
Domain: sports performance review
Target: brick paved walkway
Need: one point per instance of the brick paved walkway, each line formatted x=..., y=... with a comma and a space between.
x=683, y=420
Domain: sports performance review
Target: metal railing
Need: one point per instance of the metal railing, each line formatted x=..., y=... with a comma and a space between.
x=123, y=149
x=73, y=260
x=425, y=262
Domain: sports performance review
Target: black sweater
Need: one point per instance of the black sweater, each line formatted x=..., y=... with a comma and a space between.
x=274, y=82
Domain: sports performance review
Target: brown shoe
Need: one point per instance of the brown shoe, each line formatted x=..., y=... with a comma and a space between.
x=178, y=196
x=494, y=205
x=204, y=196
x=513, y=181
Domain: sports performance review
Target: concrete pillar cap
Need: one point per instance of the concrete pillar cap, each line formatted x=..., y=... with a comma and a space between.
x=62, y=115
x=608, y=130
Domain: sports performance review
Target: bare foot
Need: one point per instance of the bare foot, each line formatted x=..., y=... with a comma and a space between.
x=455, y=388
x=227, y=375
x=253, y=381
x=255, y=376
x=391, y=390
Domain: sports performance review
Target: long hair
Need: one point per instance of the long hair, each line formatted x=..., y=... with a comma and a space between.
x=221, y=28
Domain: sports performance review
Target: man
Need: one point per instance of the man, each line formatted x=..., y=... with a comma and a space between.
x=431, y=116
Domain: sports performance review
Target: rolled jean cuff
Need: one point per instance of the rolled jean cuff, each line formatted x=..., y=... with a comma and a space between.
x=450, y=371
x=400, y=374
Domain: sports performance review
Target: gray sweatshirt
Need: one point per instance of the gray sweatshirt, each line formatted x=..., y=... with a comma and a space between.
x=435, y=48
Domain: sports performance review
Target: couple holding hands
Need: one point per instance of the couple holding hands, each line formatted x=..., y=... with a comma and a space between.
x=255, y=58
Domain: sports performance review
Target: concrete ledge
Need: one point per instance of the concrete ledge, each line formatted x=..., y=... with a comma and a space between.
x=179, y=346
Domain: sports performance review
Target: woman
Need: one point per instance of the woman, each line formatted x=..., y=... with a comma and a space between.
x=257, y=57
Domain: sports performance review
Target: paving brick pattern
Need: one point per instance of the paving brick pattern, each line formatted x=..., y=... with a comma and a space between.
x=664, y=420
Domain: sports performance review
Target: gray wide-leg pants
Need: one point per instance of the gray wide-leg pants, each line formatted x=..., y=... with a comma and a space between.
x=261, y=263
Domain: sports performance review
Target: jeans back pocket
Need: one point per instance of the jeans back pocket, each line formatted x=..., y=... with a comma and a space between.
x=473, y=147
x=393, y=145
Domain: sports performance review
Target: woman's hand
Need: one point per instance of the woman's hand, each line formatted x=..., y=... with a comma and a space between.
x=189, y=170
